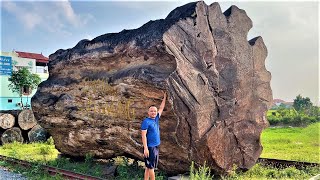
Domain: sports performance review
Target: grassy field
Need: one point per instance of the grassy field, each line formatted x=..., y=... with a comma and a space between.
x=296, y=143
x=258, y=172
x=301, y=144
x=46, y=153
x=33, y=152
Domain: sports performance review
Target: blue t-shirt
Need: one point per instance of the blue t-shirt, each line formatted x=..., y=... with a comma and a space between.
x=153, y=130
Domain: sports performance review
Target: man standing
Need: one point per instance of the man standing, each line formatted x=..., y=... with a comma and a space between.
x=150, y=133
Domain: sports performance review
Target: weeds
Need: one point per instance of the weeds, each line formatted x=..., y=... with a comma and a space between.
x=89, y=158
x=282, y=143
x=261, y=172
x=45, y=150
x=50, y=141
x=202, y=173
x=130, y=169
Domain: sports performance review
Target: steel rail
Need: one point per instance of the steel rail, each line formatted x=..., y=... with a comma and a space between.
x=279, y=163
x=51, y=170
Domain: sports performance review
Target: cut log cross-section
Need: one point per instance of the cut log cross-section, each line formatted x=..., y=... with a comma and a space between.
x=11, y=135
x=26, y=119
x=37, y=133
x=6, y=120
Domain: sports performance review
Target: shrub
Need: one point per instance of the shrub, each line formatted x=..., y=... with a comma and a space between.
x=273, y=120
x=89, y=158
x=287, y=117
x=45, y=150
x=50, y=141
x=202, y=173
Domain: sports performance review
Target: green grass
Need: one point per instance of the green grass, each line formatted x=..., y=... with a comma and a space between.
x=297, y=143
x=128, y=169
x=202, y=173
x=33, y=152
x=45, y=153
x=35, y=173
x=276, y=111
x=270, y=111
x=257, y=172
x=265, y=173
x=301, y=144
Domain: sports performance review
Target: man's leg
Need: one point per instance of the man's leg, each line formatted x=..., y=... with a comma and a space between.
x=151, y=174
x=150, y=163
x=146, y=174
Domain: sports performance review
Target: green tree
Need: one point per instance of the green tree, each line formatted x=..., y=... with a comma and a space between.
x=315, y=111
x=283, y=111
x=302, y=104
x=21, y=79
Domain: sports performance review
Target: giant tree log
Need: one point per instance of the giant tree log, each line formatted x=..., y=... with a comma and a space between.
x=37, y=134
x=26, y=119
x=11, y=135
x=6, y=120
x=98, y=92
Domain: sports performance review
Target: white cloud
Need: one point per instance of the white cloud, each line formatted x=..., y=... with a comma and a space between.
x=29, y=19
x=64, y=8
x=88, y=36
x=56, y=16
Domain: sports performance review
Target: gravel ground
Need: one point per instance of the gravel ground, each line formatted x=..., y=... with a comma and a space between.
x=7, y=175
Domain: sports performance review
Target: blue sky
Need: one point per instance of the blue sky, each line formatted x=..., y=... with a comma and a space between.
x=289, y=29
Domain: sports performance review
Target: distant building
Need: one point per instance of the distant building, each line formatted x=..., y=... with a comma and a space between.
x=279, y=102
x=13, y=61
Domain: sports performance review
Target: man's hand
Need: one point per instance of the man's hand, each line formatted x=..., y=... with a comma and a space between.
x=146, y=152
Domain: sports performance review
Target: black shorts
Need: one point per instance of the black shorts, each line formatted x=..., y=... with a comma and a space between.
x=152, y=161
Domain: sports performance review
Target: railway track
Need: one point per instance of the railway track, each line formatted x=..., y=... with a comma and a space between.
x=277, y=163
x=51, y=170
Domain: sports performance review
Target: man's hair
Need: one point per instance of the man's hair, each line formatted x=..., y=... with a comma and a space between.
x=152, y=106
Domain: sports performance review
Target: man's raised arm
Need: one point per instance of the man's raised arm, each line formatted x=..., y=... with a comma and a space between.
x=163, y=103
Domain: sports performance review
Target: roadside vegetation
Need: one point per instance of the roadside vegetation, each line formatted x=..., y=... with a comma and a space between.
x=297, y=143
x=46, y=154
x=301, y=113
x=261, y=172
